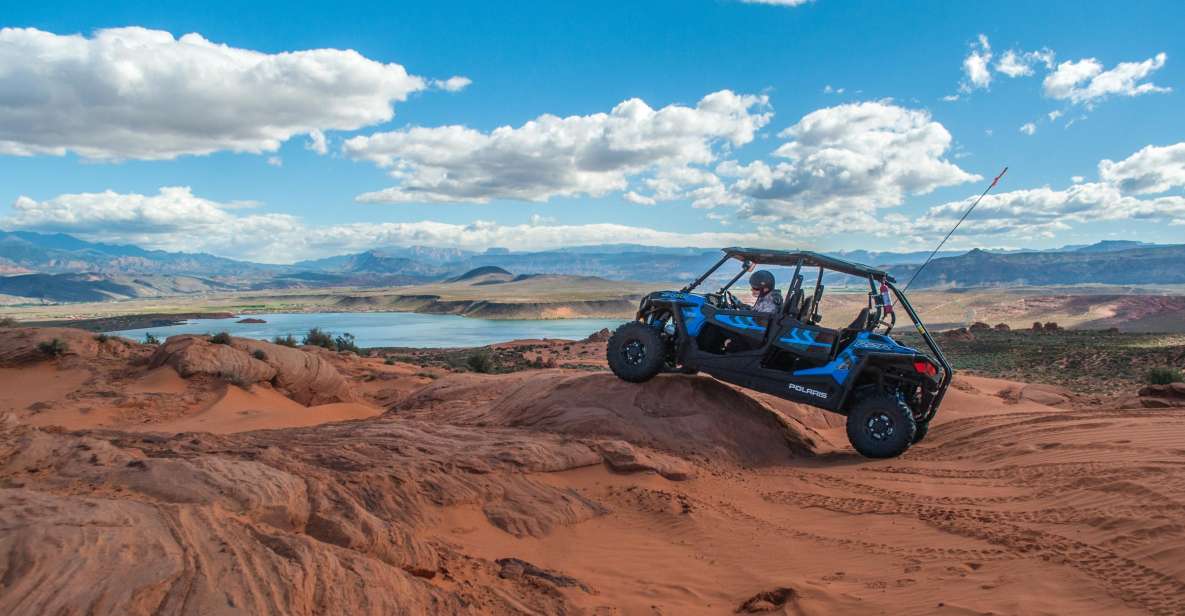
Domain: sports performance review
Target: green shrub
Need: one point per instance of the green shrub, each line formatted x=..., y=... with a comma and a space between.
x=319, y=337
x=149, y=338
x=53, y=348
x=345, y=342
x=220, y=338
x=389, y=360
x=324, y=339
x=1164, y=376
x=101, y=338
x=236, y=380
x=480, y=361
x=8, y=322
x=288, y=341
x=260, y=355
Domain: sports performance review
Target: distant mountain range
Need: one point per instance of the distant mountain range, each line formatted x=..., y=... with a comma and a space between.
x=1095, y=264
x=29, y=252
x=61, y=268
x=101, y=287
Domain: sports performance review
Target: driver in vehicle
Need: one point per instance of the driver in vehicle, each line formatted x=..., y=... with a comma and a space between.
x=766, y=295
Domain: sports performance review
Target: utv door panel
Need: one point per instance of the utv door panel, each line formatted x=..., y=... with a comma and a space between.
x=808, y=341
x=744, y=322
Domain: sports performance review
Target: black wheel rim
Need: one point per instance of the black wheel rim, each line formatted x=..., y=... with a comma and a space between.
x=880, y=426
x=633, y=352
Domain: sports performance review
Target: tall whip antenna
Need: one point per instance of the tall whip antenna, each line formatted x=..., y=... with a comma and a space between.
x=952, y=231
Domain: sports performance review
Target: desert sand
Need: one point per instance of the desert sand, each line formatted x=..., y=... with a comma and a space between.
x=196, y=478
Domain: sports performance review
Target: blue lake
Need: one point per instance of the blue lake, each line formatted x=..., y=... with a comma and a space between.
x=378, y=329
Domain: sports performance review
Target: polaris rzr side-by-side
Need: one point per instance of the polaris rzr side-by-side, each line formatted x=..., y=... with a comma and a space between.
x=889, y=392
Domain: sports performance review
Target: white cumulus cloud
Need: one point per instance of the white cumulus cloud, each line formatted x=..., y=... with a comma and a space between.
x=1153, y=169
x=136, y=93
x=176, y=219
x=1030, y=212
x=1086, y=82
x=553, y=156
x=1028, y=128
x=1116, y=196
x=1015, y=63
x=317, y=142
x=976, y=72
x=638, y=199
x=452, y=84
x=848, y=159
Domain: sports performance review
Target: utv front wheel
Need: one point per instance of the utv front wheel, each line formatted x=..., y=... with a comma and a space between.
x=881, y=426
x=636, y=352
x=922, y=431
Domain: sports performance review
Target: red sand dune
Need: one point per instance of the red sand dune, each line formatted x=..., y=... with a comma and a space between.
x=560, y=491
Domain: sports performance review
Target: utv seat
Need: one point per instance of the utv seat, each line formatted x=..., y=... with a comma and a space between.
x=848, y=334
x=861, y=322
x=804, y=313
x=793, y=304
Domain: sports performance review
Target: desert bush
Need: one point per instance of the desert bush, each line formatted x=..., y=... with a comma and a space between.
x=345, y=342
x=53, y=348
x=151, y=339
x=480, y=361
x=318, y=337
x=389, y=360
x=288, y=341
x=236, y=380
x=428, y=375
x=324, y=339
x=1164, y=376
x=220, y=338
x=101, y=338
x=260, y=355
x=8, y=322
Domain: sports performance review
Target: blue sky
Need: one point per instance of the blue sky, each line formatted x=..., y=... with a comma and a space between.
x=834, y=132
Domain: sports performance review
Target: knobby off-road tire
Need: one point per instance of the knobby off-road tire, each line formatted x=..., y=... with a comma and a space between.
x=881, y=426
x=922, y=431
x=636, y=352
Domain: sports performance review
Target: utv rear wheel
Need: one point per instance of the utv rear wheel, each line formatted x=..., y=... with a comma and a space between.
x=881, y=426
x=636, y=352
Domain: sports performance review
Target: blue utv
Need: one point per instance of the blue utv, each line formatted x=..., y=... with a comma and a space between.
x=889, y=392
